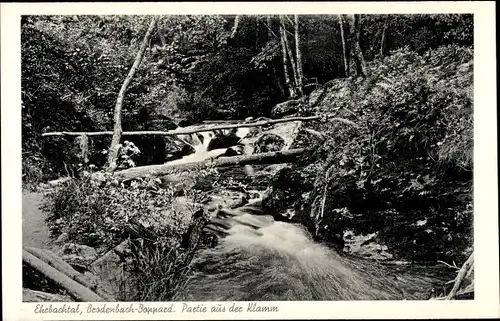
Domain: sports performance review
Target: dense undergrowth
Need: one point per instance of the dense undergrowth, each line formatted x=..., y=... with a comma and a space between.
x=406, y=171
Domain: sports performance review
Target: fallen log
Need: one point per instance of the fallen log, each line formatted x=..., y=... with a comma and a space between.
x=59, y=264
x=39, y=296
x=197, y=129
x=74, y=289
x=468, y=265
x=263, y=158
x=163, y=169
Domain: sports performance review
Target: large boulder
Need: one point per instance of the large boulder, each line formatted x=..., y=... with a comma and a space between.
x=287, y=186
x=80, y=257
x=286, y=108
x=175, y=149
x=222, y=140
x=268, y=142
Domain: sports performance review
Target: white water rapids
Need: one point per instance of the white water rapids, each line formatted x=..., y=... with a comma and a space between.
x=260, y=259
x=200, y=142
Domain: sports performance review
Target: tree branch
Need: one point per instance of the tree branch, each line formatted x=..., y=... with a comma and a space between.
x=460, y=277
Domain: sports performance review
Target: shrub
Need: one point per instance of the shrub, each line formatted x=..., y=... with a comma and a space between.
x=101, y=213
x=161, y=270
x=410, y=160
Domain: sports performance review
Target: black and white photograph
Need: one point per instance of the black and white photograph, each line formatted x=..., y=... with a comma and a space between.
x=257, y=158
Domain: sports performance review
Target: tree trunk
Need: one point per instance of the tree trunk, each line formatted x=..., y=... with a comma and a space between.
x=74, y=289
x=288, y=82
x=263, y=158
x=117, y=118
x=269, y=30
x=344, y=51
x=161, y=33
x=278, y=82
x=300, y=73
x=290, y=54
x=235, y=26
x=356, y=51
x=383, y=36
x=59, y=264
x=204, y=128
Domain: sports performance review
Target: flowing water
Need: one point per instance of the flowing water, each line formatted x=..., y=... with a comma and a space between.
x=200, y=142
x=260, y=259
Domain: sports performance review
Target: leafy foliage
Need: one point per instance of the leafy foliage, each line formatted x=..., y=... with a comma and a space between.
x=101, y=213
x=73, y=67
x=407, y=172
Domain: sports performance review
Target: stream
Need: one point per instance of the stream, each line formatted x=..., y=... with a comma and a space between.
x=258, y=258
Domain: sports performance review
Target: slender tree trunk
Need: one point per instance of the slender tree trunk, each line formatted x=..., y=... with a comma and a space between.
x=360, y=60
x=161, y=34
x=235, y=26
x=356, y=53
x=300, y=72
x=344, y=51
x=383, y=36
x=278, y=81
x=269, y=31
x=290, y=54
x=117, y=130
x=285, y=62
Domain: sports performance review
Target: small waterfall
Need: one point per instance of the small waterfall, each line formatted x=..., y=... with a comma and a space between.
x=258, y=258
x=200, y=142
x=242, y=132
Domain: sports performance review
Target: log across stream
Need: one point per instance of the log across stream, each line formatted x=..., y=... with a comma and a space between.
x=258, y=258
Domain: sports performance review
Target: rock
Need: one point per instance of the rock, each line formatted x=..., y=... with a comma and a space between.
x=234, y=151
x=78, y=256
x=226, y=199
x=274, y=168
x=286, y=108
x=175, y=149
x=186, y=123
x=222, y=140
x=63, y=238
x=286, y=189
x=268, y=143
x=287, y=131
x=113, y=270
x=366, y=246
x=39, y=296
x=329, y=94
